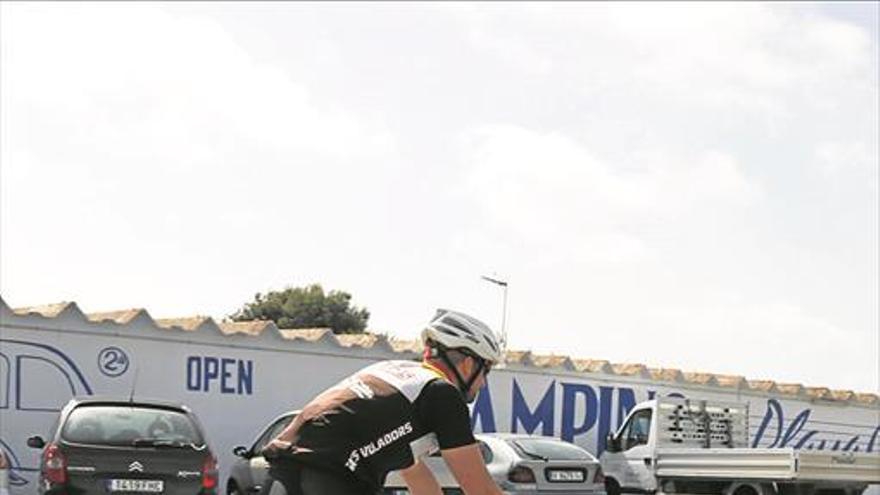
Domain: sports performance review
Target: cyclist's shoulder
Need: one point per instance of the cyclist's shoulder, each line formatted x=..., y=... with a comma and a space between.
x=439, y=391
x=408, y=377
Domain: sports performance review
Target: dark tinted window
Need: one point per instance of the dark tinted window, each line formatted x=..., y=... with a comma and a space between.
x=638, y=429
x=271, y=432
x=549, y=448
x=122, y=425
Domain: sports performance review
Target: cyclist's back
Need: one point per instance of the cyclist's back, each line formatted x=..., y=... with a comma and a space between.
x=386, y=417
x=380, y=419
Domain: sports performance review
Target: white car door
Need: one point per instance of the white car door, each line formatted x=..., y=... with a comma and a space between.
x=638, y=452
x=259, y=467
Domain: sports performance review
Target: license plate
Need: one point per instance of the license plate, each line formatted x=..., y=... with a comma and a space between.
x=565, y=475
x=146, y=486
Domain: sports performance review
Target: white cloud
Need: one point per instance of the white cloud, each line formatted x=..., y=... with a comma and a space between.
x=638, y=171
x=152, y=146
x=836, y=160
x=551, y=191
x=151, y=82
x=710, y=62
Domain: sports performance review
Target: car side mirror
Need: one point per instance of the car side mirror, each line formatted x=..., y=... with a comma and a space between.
x=611, y=443
x=242, y=451
x=36, y=442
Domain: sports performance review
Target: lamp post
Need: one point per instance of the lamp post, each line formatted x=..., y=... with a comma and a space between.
x=502, y=284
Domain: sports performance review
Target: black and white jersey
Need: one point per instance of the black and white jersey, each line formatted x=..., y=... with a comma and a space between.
x=381, y=419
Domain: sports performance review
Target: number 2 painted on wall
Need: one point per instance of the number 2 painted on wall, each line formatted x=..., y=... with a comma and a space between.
x=113, y=361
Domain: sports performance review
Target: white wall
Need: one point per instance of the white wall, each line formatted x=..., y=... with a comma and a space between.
x=237, y=383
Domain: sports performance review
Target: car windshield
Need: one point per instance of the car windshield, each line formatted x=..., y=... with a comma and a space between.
x=550, y=449
x=130, y=426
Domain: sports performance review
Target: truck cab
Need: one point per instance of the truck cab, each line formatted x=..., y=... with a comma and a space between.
x=628, y=460
x=677, y=446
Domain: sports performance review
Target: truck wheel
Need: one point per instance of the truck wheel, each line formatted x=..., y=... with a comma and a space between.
x=746, y=490
x=612, y=487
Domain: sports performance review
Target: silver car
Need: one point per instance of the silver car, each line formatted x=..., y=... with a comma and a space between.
x=250, y=471
x=523, y=464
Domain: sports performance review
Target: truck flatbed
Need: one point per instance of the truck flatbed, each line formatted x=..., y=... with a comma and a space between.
x=766, y=465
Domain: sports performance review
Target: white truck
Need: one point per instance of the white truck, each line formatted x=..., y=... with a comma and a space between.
x=683, y=446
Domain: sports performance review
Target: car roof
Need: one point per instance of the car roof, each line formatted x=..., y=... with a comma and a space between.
x=125, y=401
x=518, y=436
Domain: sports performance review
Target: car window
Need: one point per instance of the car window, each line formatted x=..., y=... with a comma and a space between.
x=123, y=425
x=486, y=451
x=549, y=448
x=638, y=429
x=271, y=432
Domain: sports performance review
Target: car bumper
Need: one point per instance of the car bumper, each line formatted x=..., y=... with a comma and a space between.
x=556, y=492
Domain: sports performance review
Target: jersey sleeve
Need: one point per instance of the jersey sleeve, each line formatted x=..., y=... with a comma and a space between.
x=443, y=411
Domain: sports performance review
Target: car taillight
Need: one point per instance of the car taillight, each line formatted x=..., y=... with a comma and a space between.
x=521, y=474
x=54, y=464
x=599, y=477
x=209, y=473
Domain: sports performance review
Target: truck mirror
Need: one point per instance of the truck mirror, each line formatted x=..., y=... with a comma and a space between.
x=36, y=442
x=611, y=443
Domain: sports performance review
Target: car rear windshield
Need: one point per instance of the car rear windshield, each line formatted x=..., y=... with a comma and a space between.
x=129, y=425
x=549, y=449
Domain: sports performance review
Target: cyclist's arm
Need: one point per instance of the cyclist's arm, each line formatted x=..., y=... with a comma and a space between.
x=420, y=480
x=466, y=464
x=443, y=410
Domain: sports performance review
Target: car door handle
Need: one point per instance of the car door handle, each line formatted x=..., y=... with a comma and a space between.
x=255, y=488
x=648, y=461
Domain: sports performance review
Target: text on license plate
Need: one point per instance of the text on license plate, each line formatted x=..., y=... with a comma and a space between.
x=565, y=475
x=148, y=486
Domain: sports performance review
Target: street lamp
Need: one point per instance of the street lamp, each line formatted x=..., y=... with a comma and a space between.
x=503, y=284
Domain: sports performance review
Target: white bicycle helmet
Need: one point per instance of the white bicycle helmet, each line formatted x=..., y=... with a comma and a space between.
x=455, y=330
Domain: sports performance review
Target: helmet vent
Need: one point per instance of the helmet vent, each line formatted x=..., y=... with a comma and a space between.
x=455, y=324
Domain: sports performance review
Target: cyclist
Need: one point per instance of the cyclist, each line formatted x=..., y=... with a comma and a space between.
x=390, y=415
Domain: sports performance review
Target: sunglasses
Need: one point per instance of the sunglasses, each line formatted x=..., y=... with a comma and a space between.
x=486, y=366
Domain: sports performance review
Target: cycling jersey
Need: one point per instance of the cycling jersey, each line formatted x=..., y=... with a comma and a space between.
x=382, y=418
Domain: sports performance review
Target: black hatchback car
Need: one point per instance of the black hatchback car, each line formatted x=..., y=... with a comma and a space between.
x=116, y=446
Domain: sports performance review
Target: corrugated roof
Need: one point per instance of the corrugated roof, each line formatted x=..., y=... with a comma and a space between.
x=631, y=369
x=189, y=324
x=553, y=361
x=370, y=340
x=253, y=328
x=700, y=378
x=121, y=317
x=731, y=381
x=405, y=345
x=45, y=310
x=818, y=393
x=767, y=386
x=593, y=366
x=666, y=374
x=842, y=395
x=518, y=357
x=358, y=340
x=790, y=388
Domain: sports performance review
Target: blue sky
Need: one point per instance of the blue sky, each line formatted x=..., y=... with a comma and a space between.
x=681, y=185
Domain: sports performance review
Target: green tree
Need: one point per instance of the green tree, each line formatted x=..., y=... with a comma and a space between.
x=306, y=307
